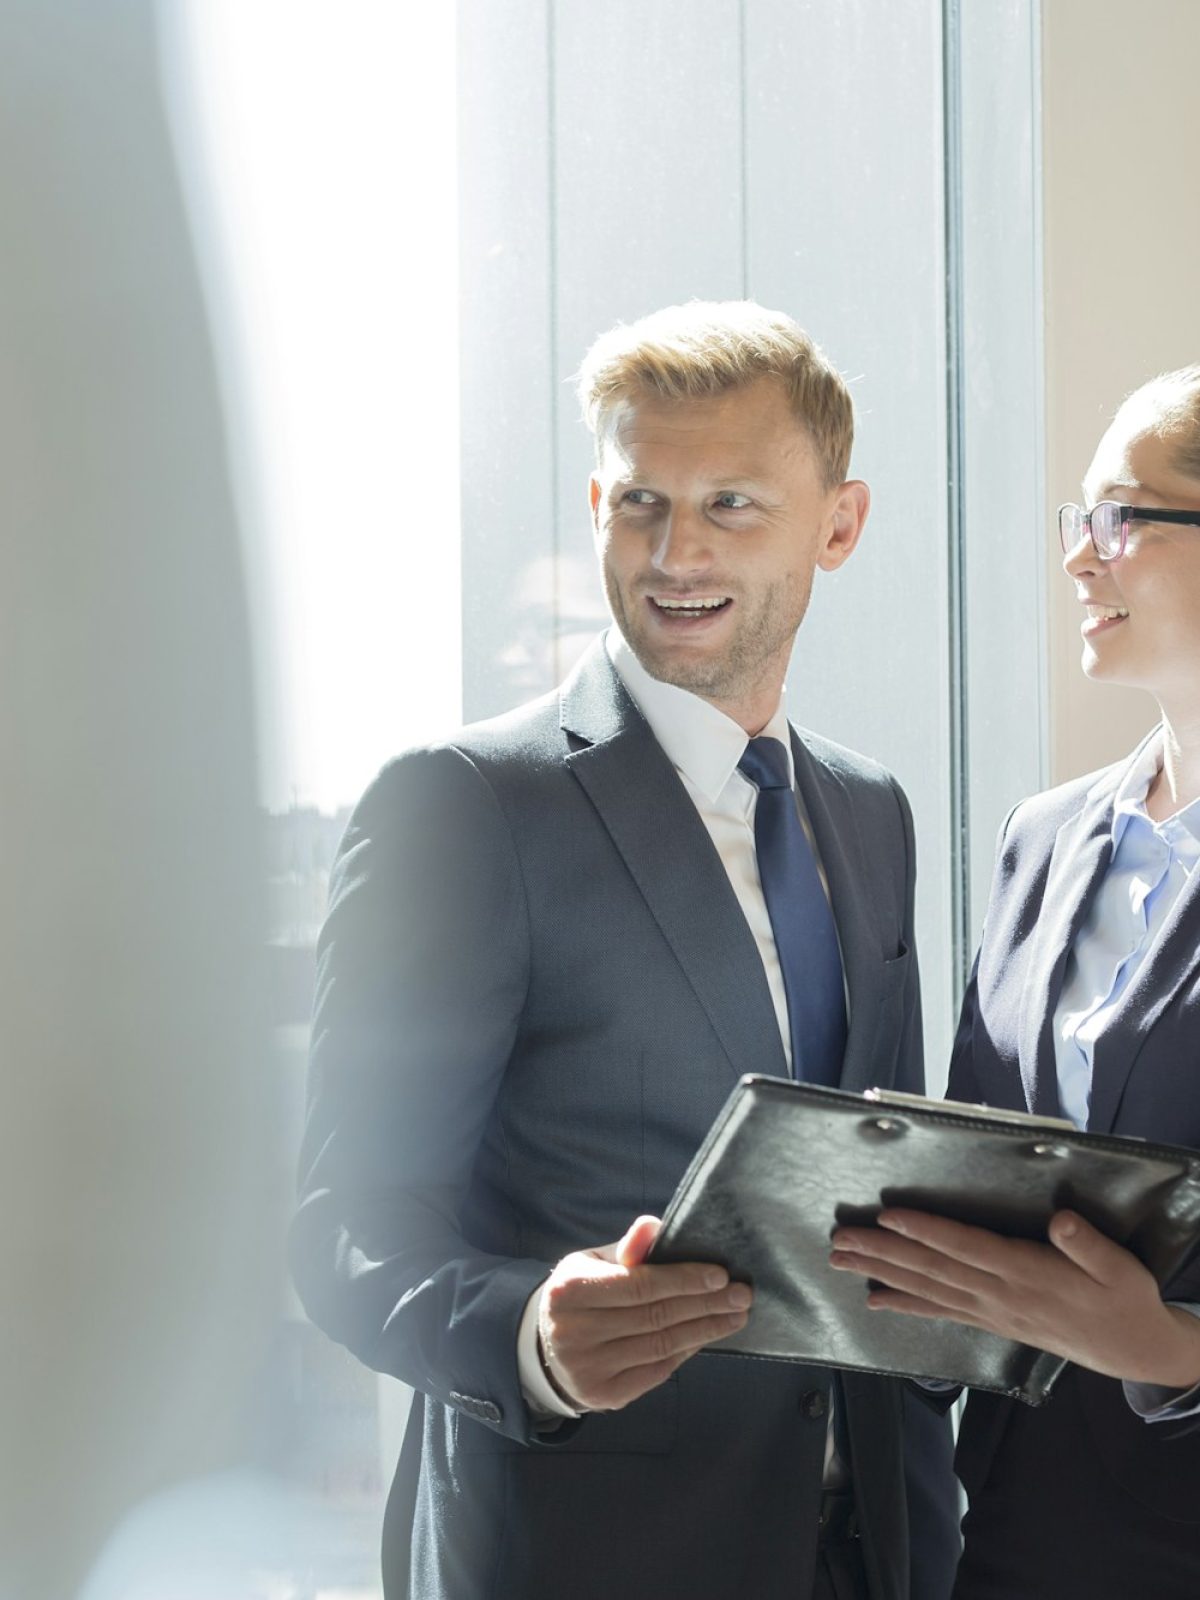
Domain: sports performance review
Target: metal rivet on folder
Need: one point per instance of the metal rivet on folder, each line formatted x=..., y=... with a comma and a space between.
x=1055, y=1150
x=882, y=1128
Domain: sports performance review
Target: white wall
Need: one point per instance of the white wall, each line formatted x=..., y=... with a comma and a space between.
x=1121, y=132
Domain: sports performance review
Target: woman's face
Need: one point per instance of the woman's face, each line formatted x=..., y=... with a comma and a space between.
x=1142, y=624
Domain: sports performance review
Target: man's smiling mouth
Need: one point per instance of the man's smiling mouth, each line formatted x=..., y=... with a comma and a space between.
x=683, y=607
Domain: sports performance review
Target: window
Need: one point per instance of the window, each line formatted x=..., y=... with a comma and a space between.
x=412, y=470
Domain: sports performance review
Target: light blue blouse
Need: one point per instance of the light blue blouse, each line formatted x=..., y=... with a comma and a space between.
x=1152, y=863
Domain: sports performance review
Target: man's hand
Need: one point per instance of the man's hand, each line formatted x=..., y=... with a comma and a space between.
x=1080, y=1296
x=611, y=1328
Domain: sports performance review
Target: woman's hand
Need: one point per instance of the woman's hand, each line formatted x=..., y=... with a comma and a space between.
x=1080, y=1296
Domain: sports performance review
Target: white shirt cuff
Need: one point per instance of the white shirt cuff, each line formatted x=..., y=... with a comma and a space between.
x=539, y=1393
x=1152, y=1402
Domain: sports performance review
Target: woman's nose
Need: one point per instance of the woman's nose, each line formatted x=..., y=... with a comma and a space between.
x=1081, y=559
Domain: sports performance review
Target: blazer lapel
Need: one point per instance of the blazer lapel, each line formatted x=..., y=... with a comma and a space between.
x=1078, y=862
x=671, y=857
x=1148, y=996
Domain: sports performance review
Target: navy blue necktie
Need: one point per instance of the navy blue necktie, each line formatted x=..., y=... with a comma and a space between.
x=801, y=919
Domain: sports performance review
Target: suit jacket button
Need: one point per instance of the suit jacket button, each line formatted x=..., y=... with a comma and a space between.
x=481, y=1410
x=813, y=1404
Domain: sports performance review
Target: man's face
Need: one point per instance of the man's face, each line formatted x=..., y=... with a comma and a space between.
x=711, y=518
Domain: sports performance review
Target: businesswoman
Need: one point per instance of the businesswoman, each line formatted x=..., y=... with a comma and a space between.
x=1085, y=1003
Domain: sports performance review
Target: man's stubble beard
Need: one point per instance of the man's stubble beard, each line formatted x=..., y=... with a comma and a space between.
x=759, y=637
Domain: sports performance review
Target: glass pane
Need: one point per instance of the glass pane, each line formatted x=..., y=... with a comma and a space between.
x=336, y=345
x=662, y=152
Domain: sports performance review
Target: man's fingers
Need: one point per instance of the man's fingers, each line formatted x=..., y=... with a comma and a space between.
x=654, y=1315
x=618, y=1371
x=612, y=1326
x=678, y=1339
x=576, y=1314
x=639, y=1239
x=642, y=1377
x=589, y=1280
x=637, y=1381
x=633, y=1247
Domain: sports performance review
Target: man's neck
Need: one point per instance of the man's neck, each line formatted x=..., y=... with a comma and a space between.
x=751, y=711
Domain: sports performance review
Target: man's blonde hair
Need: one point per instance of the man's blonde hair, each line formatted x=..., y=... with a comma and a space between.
x=708, y=347
x=1169, y=406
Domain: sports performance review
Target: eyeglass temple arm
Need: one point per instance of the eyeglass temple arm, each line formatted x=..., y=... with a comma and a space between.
x=1157, y=514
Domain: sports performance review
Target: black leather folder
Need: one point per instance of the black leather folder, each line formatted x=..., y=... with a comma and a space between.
x=786, y=1162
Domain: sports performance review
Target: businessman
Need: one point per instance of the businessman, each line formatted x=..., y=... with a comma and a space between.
x=554, y=943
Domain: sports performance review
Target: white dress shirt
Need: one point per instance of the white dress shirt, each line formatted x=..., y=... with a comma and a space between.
x=704, y=746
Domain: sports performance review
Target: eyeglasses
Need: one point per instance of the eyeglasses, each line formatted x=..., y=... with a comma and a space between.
x=1107, y=525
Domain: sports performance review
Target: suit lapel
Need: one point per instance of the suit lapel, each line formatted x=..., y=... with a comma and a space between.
x=840, y=848
x=1078, y=862
x=671, y=857
x=1174, y=960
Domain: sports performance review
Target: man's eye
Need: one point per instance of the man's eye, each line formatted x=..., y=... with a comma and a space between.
x=731, y=501
x=638, y=497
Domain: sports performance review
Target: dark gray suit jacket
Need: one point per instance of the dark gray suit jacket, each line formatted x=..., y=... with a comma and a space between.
x=535, y=990
x=1090, y=1498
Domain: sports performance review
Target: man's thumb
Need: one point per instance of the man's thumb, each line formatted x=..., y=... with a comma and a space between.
x=633, y=1249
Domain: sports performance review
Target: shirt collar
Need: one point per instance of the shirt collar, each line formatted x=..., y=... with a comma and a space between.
x=701, y=742
x=1141, y=769
x=1129, y=803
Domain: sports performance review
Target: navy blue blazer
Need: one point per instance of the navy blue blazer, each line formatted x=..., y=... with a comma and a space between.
x=535, y=991
x=1084, y=1470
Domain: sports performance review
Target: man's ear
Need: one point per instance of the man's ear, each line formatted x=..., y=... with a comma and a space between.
x=850, y=506
x=594, y=501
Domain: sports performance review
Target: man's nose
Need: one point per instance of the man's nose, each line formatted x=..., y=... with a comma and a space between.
x=684, y=544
